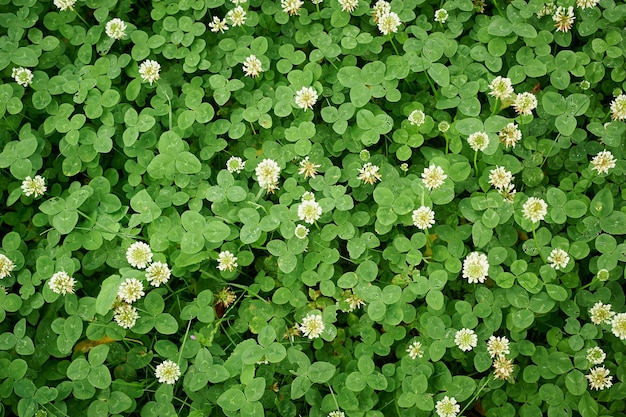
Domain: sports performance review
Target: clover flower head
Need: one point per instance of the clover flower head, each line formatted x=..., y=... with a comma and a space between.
x=404, y=167
x=312, y=326
x=563, y=18
x=125, y=315
x=618, y=326
x=380, y=8
x=501, y=88
x=417, y=118
x=292, y=7
x=252, y=66
x=131, y=290
x=6, y=266
x=535, y=209
x=423, y=218
x=65, y=4
x=466, y=339
x=599, y=378
x=364, y=155
x=158, y=273
x=354, y=302
x=603, y=161
x=502, y=368
x=237, y=16
x=268, y=173
x=508, y=193
x=348, y=5
x=218, y=25
x=301, y=231
x=415, y=350
x=587, y=4
x=500, y=178
x=558, y=258
x=618, y=107
x=476, y=267
x=226, y=261
x=309, y=211
x=226, y=297
x=388, y=23
x=308, y=168
x=306, y=98
x=478, y=141
x=447, y=407
x=149, y=71
x=34, y=186
x=525, y=103
x=369, y=173
x=316, y=1
x=585, y=85
x=116, y=28
x=235, y=164
x=62, y=283
x=441, y=15
x=595, y=355
x=498, y=346
x=22, y=76
x=139, y=255
x=433, y=177
x=336, y=413
x=443, y=126
x=547, y=9
x=603, y=275
x=601, y=313
x=167, y=372
x=510, y=135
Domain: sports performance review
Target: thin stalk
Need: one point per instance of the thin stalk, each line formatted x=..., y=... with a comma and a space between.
x=332, y=393
x=495, y=106
x=170, y=106
x=495, y=3
x=81, y=18
x=182, y=347
x=393, y=44
x=537, y=244
x=447, y=142
x=476, y=163
x=470, y=402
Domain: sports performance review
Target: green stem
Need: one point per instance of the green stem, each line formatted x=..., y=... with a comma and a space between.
x=476, y=395
x=476, y=163
x=317, y=6
x=495, y=106
x=393, y=44
x=495, y=3
x=182, y=347
x=447, y=142
x=81, y=18
x=537, y=244
x=170, y=106
x=333, y=395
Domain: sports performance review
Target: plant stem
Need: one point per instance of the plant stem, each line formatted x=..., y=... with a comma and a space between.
x=476, y=163
x=470, y=402
x=495, y=3
x=393, y=44
x=81, y=18
x=447, y=142
x=537, y=244
x=182, y=347
x=495, y=106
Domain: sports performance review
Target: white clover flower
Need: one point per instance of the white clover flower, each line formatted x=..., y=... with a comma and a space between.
x=316, y=1
x=433, y=177
x=6, y=266
x=601, y=313
x=563, y=18
x=369, y=174
x=131, y=290
x=595, y=355
x=125, y=315
x=618, y=326
x=417, y=118
x=388, y=23
x=423, y=218
x=116, y=28
x=548, y=9
x=618, y=107
x=139, y=255
x=225, y=297
x=237, y=16
x=268, y=173
x=308, y=168
x=500, y=178
x=508, y=193
x=476, y=267
x=301, y=231
x=443, y=126
x=585, y=85
x=238, y=2
x=498, y=346
x=336, y=413
x=502, y=368
x=218, y=25
x=22, y=76
x=558, y=258
x=62, y=283
x=309, y=211
x=252, y=66
x=312, y=326
x=510, y=135
x=466, y=339
x=535, y=209
x=415, y=350
x=603, y=161
x=603, y=275
x=380, y=8
x=149, y=71
x=308, y=196
x=478, y=141
x=235, y=164
x=364, y=155
x=599, y=378
x=226, y=261
x=158, y=273
x=348, y=5
x=441, y=15
x=306, y=98
x=404, y=167
x=65, y=4
x=525, y=103
x=354, y=302
x=291, y=6
x=167, y=372
x=501, y=88
x=587, y=4
x=448, y=407
x=34, y=186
